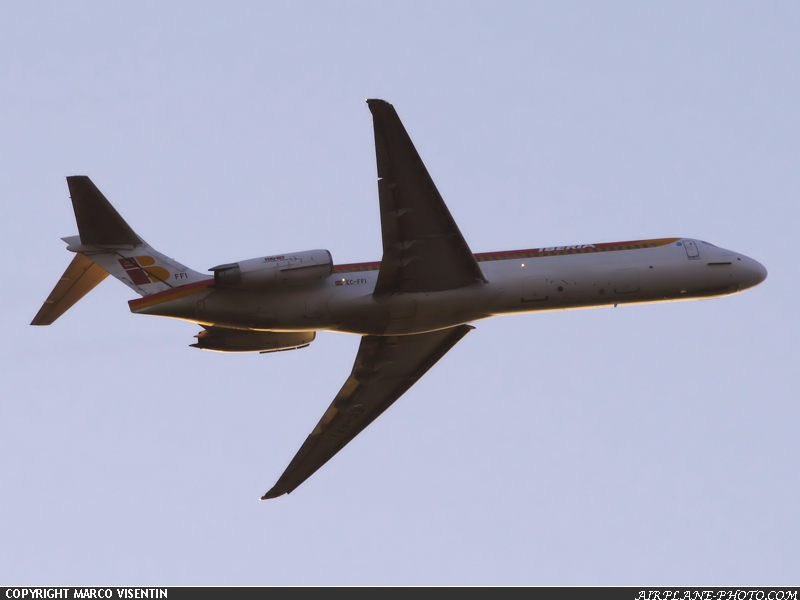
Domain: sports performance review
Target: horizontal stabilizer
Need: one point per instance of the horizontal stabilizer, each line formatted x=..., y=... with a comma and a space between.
x=80, y=278
x=98, y=222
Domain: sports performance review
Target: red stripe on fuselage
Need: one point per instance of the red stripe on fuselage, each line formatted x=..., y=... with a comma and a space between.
x=533, y=253
x=173, y=294
x=208, y=284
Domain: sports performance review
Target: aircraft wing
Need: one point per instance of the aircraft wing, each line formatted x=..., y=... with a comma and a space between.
x=423, y=249
x=384, y=369
x=80, y=278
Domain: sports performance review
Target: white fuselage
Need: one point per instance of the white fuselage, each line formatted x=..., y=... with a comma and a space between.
x=557, y=278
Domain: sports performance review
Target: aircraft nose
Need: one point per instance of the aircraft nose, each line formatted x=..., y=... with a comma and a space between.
x=754, y=273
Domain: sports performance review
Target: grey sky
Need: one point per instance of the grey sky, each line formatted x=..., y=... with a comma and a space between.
x=649, y=444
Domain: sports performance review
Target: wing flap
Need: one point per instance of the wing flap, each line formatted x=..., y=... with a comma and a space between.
x=384, y=369
x=423, y=249
x=80, y=278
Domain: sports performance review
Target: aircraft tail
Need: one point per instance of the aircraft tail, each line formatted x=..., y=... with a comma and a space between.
x=106, y=245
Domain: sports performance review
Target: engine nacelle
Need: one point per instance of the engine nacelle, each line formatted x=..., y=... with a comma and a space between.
x=221, y=339
x=275, y=271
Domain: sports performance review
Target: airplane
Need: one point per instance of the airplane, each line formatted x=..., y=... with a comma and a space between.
x=410, y=308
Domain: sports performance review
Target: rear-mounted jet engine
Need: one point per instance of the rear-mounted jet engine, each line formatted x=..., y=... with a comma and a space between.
x=275, y=271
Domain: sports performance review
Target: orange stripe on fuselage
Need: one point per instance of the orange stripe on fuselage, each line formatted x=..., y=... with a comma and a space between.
x=356, y=267
x=533, y=253
x=173, y=294
x=208, y=284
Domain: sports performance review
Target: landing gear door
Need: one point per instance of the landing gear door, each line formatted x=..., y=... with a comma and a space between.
x=691, y=249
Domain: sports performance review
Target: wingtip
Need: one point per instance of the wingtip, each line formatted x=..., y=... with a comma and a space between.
x=273, y=493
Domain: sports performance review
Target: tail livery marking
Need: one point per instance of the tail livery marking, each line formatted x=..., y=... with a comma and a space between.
x=143, y=270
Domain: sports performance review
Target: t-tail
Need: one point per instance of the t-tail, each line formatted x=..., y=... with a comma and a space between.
x=106, y=245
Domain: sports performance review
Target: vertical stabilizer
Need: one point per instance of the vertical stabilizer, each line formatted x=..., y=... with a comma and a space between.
x=107, y=245
x=98, y=222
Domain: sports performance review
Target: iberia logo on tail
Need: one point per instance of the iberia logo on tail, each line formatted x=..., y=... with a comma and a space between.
x=143, y=270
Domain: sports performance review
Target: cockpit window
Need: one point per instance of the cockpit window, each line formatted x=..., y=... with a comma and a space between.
x=707, y=244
